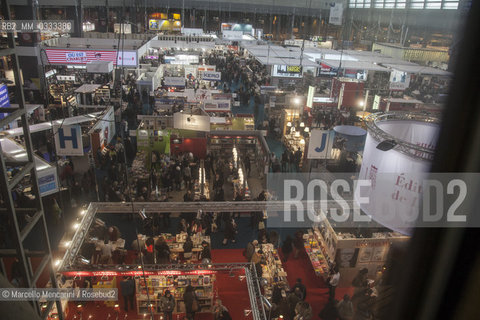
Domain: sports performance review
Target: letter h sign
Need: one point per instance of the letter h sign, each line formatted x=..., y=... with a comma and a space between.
x=62, y=138
x=68, y=141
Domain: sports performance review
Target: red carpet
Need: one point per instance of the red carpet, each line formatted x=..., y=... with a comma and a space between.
x=317, y=291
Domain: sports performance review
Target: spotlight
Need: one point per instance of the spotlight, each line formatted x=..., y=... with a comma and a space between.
x=75, y=226
x=57, y=263
x=386, y=145
x=302, y=124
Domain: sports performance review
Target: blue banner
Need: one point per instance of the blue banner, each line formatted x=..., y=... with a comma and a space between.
x=4, y=99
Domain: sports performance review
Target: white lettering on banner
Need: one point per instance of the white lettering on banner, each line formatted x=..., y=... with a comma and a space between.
x=76, y=57
x=211, y=75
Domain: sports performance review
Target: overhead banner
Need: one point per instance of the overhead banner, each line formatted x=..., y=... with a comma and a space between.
x=211, y=75
x=396, y=178
x=68, y=140
x=311, y=92
x=72, y=56
x=320, y=145
x=336, y=14
x=174, y=81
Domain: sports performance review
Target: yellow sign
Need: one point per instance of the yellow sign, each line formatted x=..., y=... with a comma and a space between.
x=294, y=69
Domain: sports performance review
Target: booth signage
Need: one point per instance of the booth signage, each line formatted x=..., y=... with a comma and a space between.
x=191, y=122
x=320, y=145
x=211, y=75
x=287, y=71
x=65, y=78
x=68, y=140
x=47, y=181
x=206, y=68
x=174, y=81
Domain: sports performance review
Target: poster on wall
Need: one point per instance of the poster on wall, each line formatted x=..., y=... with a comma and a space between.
x=365, y=255
x=399, y=80
x=320, y=145
x=378, y=254
x=336, y=14
x=347, y=257
x=68, y=140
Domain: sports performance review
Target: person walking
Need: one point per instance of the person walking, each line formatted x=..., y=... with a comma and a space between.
x=345, y=308
x=250, y=250
x=287, y=247
x=293, y=298
x=247, y=166
x=333, y=282
x=360, y=283
x=302, y=288
x=220, y=312
x=187, y=248
x=167, y=305
x=191, y=302
x=127, y=285
x=230, y=231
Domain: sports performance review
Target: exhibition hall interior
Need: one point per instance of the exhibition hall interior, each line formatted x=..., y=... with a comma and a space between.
x=239, y=159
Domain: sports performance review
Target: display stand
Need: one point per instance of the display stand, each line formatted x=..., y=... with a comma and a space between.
x=176, y=284
x=273, y=270
x=326, y=246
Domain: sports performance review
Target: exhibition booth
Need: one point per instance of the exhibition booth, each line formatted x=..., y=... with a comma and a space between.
x=47, y=178
x=80, y=262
